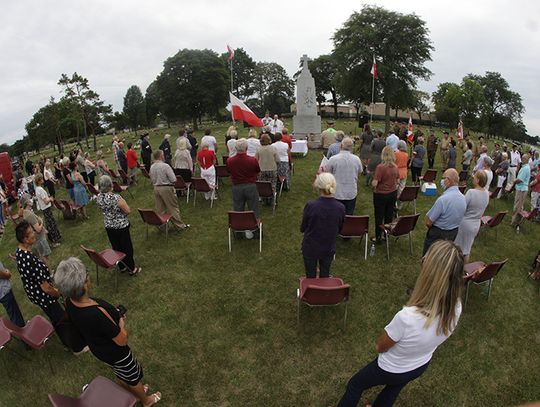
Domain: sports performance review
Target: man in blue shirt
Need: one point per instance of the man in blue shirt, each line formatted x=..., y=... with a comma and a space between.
x=445, y=215
x=522, y=188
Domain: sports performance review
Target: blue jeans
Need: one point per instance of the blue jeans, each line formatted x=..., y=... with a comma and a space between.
x=372, y=375
x=12, y=309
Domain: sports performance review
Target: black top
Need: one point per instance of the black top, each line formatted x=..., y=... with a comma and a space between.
x=146, y=149
x=321, y=223
x=98, y=330
x=34, y=272
x=66, y=172
x=166, y=148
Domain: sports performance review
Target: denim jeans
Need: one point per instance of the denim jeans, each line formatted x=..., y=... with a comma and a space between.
x=12, y=308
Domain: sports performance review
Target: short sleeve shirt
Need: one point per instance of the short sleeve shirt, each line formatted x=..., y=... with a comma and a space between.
x=524, y=175
x=113, y=216
x=41, y=195
x=448, y=210
x=418, y=160
x=387, y=179
x=34, y=272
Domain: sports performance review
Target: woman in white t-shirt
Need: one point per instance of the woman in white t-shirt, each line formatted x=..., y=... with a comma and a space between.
x=44, y=204
x=283, y=167
x=253, y=143
x=407, y=343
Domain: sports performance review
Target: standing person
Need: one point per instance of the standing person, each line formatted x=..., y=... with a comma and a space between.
x=321, y=223
x=345, y=167
x=488, y=162
x=502, y=172
x=477, y=200
x=335, y=148
x=496, y=156
x=165, y=146
x=392, y=140
x=467, y=157
x=522, y=187
x=132, y=162
x=44, y=204
x=275, y=125
x=48, y=177
x=445, y=144
x=515, y=160
x=365, y=148
x=268, y=158
x=7, y=298
x=385, y=183
x=417, y=162
x=452, y=154
x=286, y=138
x=231, y=143
x=90, y=168
x=146, y=151
x=284, y=165
x=402, y=161
x=207, y=159
x=183, y=164
x=210, y=141
x=114, y=148
x=41, y=246
x=115, y=216
x=244, y=170
x=377, y=146
x=480, y=159
x=122, y=159
x=444, y=217
x=102, y=326
x=58, y=169
x=535, y=191
x=79, y=160
x=266, y=119
x=407, y=344
x=253, y=143
x=66, y=173
x=328, y=137
x=80, y=196
x=431, y=149
x=194, y=145
x=163, y=179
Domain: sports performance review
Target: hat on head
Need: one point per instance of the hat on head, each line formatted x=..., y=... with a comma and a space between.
x=329, y=122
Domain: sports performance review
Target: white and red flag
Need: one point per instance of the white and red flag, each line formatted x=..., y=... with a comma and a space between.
x=231, y=53
x=241, y=112
x=410, y=134
x=460, y=130
x=374, y=68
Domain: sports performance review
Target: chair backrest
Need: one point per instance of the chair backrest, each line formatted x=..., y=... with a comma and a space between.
x=144, y=172
x=92, y=189
x=430, y=175
x=200, y=185
x=116, y=187
x=409, y=193
x=34, y=333
x=114, y=174
x=494, y=221
x=58, y=205
x=245, y=220
x=494, y=193
x=224, y=158
x=94, y=256
x=532, y=214
x=150, y=217
x=320, y=295
x=67, y=205
x=264, y=188
x=490, y=271
x=355, y=225
x=405, y=224
x=180, y=183
x=222, y=171
x=5, y=336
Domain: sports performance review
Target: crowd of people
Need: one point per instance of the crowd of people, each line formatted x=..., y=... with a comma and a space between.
x=407, y=342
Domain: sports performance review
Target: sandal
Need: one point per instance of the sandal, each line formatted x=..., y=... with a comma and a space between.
x=154, y=399
x=145, y=388
x=135, y=271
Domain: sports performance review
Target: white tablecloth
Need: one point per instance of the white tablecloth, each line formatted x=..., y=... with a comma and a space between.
x=299, y=146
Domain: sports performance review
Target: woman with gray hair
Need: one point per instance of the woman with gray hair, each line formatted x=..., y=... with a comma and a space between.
x=103, y=327
x=115, y=215
x=183, y=163
x=101, y=165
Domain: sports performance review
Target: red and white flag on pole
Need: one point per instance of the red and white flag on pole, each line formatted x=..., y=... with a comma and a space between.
x=374, y=68
x=460, y=130
x=410, y=135
x=231, y=53
x=241, y=112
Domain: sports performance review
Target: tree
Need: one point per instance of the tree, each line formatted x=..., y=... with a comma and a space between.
x=473, y=102
x=399, y=42
x=134, y=107
x=420, y=103
x=447, y=102
x=193, y=83
x=152, y=104
x=243, y=73
x=274, y=89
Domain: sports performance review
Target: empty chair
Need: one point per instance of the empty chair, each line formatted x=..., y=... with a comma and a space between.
x=479, y=272
x=99, y=393
x=222, y=172
x=5, y=336
x=144, y=172
x=126, y=178
x=150, y=217
x=322, y=292
x=356, y=226
x=409, y=194
x=107, y=259
x=200, y=185
x=121, y=188
x=92, y=189
x=266, y=191
x=492, y=222
x=404, y=225
x=527, y=216
x=244, y=221
x=429, y=176
x=282, y=180
x=69, y=209
x=114, y=174
x=181, y=185
x=14, y=217
x=58, y=205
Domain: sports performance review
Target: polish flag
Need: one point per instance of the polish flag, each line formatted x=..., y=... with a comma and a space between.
x=374, y=68
x=231, y=53
x=460, y=130
x=410, y=135
x=241, y=112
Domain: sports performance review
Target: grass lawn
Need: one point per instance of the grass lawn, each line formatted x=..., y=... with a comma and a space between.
x=213, y=328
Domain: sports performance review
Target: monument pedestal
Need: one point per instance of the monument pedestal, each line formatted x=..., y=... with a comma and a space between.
x=308, y=127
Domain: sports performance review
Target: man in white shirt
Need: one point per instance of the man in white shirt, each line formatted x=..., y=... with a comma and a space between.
x=266, y=119
x=276, y=125
x=515, y=160
x=209, y=140
x=392, y=141
x=481, y=158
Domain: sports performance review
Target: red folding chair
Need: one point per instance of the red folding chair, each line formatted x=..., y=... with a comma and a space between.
x=356, y=226
x=14, y=217
x=222, y=172
x=527, y=216
x=181, y=185
x=126, y=178
x=107, y=259
x=100, y=392
x=322, y=292
x=266, y=191
x=244, y=221
x=70, y=207
x=200, y=185
x=491, y=222
x=479, y=272
x=5, y=336
x=144, y=172
x=58, y=205
x=404, y=225
x=92, y=189
x=121, y=188
x=429, y=176
x=409, y=194
x=150, y=217
x=224, y=158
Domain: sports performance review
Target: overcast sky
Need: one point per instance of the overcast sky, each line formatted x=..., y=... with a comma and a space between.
x=116, y=44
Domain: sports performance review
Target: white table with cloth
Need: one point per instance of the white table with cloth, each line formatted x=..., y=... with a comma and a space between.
x=300, y=147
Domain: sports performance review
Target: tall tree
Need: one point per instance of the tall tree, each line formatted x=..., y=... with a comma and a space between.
x=152, y=104
x=420, y=102
x=400, y=43
x=243, y=72
x=447, y=101
x=134, y=107
x=274, y=89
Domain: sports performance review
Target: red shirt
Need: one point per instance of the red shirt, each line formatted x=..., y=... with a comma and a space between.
x=206, y=158
x=536, y=187
x=287, y=139
x=243, y=169
x=131, y=158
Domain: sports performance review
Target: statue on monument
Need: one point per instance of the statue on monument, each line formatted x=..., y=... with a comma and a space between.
x=306, y=121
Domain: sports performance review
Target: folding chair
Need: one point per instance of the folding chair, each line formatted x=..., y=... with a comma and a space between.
x=150, y=217
x=493, y=195
x=404, y=225
x=409, y=194
x=100, y=392
x=222, y=172
x=58, y=205
x=479, y=272
x=181, y=185
x=200, y=185
x=70, y=207
x=121, y=188
x=266, y=191
x=224, y=158
x=144, y=172
x=429, y=176
x=244, y=221
x=322, y=292
x=356, y=226
x=126, y=178
x=282, y=180
x=14, y=217
x=527, y=216
x=92, y=189
x=5, y=336
x=107, y=259
x=491, y=222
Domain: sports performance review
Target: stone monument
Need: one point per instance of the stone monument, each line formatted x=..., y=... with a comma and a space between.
x=306, y=122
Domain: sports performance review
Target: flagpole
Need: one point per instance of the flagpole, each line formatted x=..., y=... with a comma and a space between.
x=232, y=115
x=372, y=93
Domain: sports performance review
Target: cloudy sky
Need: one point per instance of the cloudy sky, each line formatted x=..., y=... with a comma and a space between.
x=116, y=44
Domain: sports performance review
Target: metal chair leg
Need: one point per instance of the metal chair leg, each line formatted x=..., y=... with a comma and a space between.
x=230, y=248
x=167, y=233
x=345, y=316
x=212, y=197
x=489, y=288
x=366, y=236
x=260, y=237
x=298, y=307
x=410, y=243
x=97, y=274
x=194, y=196
x=466, y=295
x=387, y=246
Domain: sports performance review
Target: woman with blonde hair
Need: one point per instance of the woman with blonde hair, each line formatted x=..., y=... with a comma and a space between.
x=231, y=142
x=183, y=163
x=321, y=223
x=101, y=165
x=253, y=143
x=207, y=159
x=408, y=342
x=385, y=183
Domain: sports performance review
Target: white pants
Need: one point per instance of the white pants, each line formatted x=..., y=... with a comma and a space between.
x=535, y=200
x=210, y=176
x=511, y=177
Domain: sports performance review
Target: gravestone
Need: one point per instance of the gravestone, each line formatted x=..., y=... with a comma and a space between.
x=306, y=122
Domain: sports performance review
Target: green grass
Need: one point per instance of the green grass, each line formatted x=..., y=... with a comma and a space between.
x=217, y=329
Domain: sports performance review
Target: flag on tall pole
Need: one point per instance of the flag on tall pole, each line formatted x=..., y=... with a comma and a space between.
x=410, y=134
x=460, y=130
x=231, y=53
x=374, y=74
x=240, y=111
x=374, y=68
